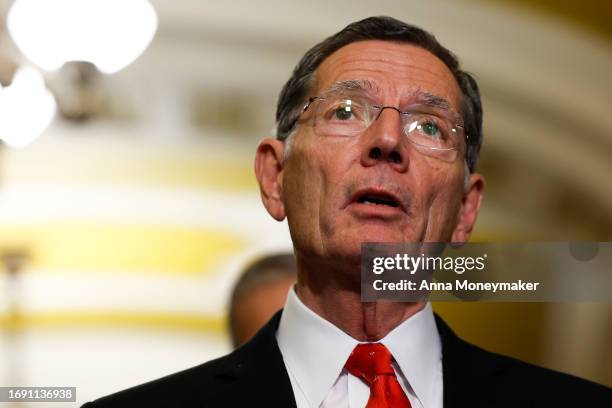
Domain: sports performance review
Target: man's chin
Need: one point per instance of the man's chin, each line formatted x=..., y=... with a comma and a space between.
x=349, y=252
x=346, y=255
x=377, y=235
x=346, y=247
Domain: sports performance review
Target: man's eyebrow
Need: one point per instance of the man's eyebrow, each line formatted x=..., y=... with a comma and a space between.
x=433, y=100
x=354, y=85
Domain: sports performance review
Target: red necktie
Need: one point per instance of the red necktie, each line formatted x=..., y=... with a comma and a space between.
x=372, y=363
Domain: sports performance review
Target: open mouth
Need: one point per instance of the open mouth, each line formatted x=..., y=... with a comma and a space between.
x=377, y=199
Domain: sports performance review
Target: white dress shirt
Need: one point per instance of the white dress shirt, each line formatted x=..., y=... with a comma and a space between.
x=315, y=351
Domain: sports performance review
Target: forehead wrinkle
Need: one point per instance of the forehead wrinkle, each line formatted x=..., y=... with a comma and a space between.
x=360, y=85
x=403, y=63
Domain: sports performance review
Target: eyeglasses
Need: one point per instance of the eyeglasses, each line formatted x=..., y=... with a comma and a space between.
x=435, y=131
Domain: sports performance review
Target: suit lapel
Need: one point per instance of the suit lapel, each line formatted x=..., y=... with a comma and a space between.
x=257, y=369
x=467, y=373
x=453, y=375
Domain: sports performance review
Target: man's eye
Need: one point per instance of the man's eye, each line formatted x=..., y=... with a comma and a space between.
x=343, y=113
x=430, y=129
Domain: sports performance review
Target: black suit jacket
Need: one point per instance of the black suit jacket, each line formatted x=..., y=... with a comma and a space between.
x=254, y=375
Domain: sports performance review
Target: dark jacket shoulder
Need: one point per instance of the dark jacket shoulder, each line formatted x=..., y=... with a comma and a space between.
x=475, y=377
x=251, y=375
x=186, y=388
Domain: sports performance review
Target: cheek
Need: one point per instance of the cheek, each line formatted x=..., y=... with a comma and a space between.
x=313, y=189
x=446, y=204
x=314, y=173
x=302, y=181
x=299, y=185
x=441, y=200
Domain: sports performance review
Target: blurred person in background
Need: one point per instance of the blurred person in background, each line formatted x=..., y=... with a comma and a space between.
x=379, y=132
x=259, y=293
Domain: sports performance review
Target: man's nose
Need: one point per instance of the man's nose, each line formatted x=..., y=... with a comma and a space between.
x=384, y=141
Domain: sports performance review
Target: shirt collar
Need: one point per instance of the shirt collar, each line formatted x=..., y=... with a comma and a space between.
x=415, y=344
x=310, y=344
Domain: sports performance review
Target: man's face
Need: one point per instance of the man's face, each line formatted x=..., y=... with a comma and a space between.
x=327, y=184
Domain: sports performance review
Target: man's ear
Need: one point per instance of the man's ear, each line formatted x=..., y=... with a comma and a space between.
x=470, y=206
x=269, y=173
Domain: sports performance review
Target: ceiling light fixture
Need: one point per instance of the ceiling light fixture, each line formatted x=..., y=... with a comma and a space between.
x=27, y=108
x=111, y=34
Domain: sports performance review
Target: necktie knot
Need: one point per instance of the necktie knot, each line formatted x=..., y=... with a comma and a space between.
x=368, y=361
x=372, y=363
